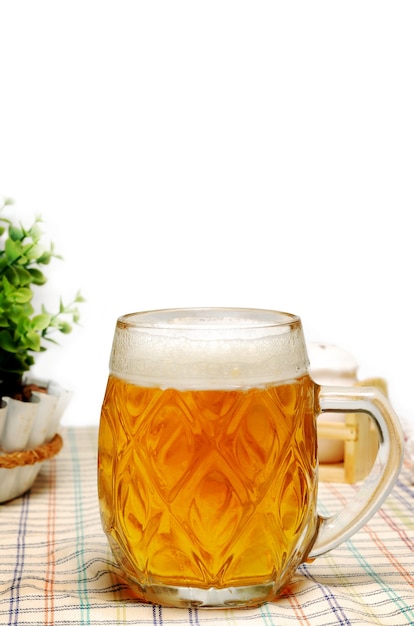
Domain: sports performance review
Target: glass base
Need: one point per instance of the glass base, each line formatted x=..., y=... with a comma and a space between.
x=212, y=598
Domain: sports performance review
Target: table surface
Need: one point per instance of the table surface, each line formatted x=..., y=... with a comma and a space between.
x=56, y=566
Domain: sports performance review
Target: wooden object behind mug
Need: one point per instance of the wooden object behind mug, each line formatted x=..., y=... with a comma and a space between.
x=360, y=438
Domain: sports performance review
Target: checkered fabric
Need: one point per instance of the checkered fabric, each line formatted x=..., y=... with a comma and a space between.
x=57, y=569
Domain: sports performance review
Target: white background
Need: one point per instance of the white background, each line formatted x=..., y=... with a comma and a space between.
x=217, y=153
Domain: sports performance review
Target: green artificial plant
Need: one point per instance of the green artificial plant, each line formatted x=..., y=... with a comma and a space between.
x=23, y=331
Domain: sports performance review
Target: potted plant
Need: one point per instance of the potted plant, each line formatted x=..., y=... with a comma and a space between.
x=30, y=410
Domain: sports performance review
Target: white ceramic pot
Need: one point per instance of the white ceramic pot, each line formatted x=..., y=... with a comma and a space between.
x=25, y=426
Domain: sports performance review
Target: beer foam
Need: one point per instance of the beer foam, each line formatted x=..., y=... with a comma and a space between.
x=208, y=348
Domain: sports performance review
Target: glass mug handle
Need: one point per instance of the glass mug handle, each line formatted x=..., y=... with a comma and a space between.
x=336, y=528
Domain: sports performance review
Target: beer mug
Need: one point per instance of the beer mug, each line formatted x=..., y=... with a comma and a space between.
x=208, y=456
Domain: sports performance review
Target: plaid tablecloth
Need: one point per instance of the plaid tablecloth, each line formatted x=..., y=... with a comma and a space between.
x=56, y=567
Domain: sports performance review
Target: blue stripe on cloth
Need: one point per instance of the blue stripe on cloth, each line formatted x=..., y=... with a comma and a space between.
x=19, y=567
x=193, y=617
x=329, y=596
x=157, y=615
x=84, y=604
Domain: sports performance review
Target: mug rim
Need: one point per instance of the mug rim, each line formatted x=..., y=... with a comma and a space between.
x=223, y=318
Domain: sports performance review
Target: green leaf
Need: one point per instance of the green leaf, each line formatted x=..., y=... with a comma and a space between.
x=38, y=278
x=50, y=340
x=45, y=257
x=20, y=315
x=16, y=233
x=12, y=276
x=33, y=341
x=7, y=287
x=22, y=295
x=21, y=277
x=36, y=232
x=6, y=341
x=65, y=328
x=40, y=322
x=13, y=250
x=32, y=252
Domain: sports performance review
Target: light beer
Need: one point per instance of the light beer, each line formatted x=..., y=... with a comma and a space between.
x=208, y=487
